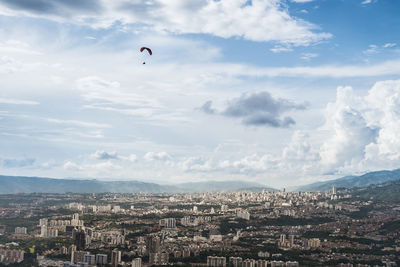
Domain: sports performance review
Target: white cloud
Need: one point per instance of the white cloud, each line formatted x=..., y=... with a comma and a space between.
x=105, y=94
x=9, y=65
x=375, y=49
x=71, y=166
x=16, y=46
x=13, y=101
x=132, y=158
x=261, y=20
x=351, y=132
x=78, y=123
x=365, y=2
x=103, y=155
x=390, y=67
x=383, y=112
x=365, y=129
x=154, y=156
x=197, y=164
x=389, y=45
x=280, y=49
x=308, y=56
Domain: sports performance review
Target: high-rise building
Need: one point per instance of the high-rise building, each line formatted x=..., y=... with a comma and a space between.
x=137, y=262
x=262, y=263
x=168, y=223
x=333, y=190
x=282, y=239
x=154, y=244
x=214, y=261
x=115, y=257
x=48, y=232
x=43, y=222
x=249, y=263
x=235, y=261
x=90, y=259
x=314, y=243
x=224, y=208
x=79, y=237
x=291, y=240
x=101, y=259
x=159, y=258
x=43, y=230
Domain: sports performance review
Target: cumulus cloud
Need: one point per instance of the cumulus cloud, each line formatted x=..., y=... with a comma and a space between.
x=351, y=134
x=257, y=20
x=247, y=165
x=197, y=164
x=103, y=155
x=71, y=166
x=259, y=109
x=360, y=134
x=157, y=156
x=365, y=129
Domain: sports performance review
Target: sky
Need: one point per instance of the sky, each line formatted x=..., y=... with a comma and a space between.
x=279, y=92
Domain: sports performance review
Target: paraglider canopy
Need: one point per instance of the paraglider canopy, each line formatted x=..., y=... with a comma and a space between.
x=148, y=50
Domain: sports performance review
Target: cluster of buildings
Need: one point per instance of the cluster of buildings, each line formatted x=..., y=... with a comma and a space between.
x=11, y=256
x=286, y=228
x=215, y=261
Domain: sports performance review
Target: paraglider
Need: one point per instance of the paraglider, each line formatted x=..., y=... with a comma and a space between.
x=148, y=51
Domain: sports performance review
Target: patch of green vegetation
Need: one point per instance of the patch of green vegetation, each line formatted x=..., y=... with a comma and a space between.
x=291, y=221
x=362, y=213
x=388, y=192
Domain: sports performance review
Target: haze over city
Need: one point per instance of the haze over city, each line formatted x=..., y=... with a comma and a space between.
x=278, y=92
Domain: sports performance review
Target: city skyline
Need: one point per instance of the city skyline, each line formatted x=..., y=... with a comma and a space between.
x=270, y=91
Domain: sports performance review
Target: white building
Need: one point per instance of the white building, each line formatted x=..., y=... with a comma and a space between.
x=213, y=261
x=243, y=214
x=137, y=262
x=21, y=230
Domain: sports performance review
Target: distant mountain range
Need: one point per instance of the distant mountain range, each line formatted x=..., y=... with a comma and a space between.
x=364, y=180
x=22, y=184
x=387, y=192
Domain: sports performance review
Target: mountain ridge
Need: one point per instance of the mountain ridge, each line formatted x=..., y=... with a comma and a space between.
x=26, y=184
x=352, y=181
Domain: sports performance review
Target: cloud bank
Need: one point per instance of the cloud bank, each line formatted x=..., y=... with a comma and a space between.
x=257, y=20
x=258, y=109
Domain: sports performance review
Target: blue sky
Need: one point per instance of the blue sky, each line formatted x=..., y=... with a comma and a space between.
x=274, y=91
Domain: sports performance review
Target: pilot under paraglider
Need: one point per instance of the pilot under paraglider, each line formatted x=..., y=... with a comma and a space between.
x=148, y=50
